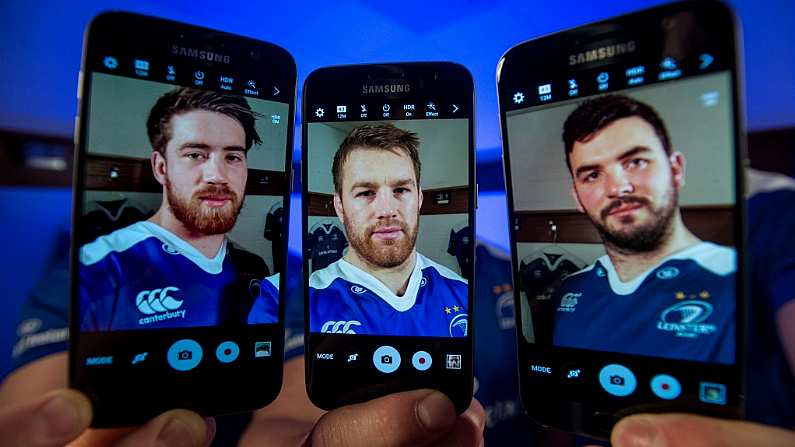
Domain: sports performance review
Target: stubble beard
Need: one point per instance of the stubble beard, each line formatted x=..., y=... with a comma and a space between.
x=641, y=238
x=205, y=220
x=385, y=254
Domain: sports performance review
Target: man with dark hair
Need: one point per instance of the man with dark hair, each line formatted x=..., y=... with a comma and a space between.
x=178, y=268
x=382, y=286
x=659, y=290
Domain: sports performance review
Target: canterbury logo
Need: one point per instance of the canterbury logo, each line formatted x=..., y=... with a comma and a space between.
x=157, y=300
x=339, y=327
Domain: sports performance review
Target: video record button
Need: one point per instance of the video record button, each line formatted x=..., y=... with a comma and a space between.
x=421, y=361
x=184, y=355
x=227, y=352
x=665, y=387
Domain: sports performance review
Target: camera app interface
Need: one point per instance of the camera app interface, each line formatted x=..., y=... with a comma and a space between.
x=625, y=225
x=189, y=235
x=388, y=241
x=389, y=248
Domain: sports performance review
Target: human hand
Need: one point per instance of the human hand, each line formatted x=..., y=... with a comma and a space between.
x=62, y=416
x=685, y=430
x=411, y=418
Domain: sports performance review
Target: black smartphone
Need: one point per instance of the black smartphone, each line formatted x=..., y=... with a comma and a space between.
x=183, y=140
x=623, y=146
x=388, y=226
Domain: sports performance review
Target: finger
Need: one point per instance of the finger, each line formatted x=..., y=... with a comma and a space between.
x=54, y=419
x=683, y=430
x=175, y=428
x=468, y=430
x=411, y=418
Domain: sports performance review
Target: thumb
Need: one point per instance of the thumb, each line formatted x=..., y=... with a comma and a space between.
x=411, y=418
x=54, y=419
x=684, y=430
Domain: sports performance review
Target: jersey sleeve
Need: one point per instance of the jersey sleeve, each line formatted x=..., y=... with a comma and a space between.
x=96, y=294
x=43, y=323
x=266, y=306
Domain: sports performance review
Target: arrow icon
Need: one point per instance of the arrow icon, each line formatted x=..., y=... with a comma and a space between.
x=706, y=60
x=455, y=108
x=276, y=91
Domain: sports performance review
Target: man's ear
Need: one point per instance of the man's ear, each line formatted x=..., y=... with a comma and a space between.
x=338, y=208
x=159, y=168
x=576, y=198
x=677, y=160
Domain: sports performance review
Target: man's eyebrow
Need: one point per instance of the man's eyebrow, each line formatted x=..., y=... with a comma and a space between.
x=197, y=145
x=629, y=153
x=373, y=185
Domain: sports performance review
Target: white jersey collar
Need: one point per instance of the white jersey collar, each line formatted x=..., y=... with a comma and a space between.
x=717, y=259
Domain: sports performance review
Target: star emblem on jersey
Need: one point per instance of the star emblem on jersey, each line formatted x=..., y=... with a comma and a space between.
x=680, y=295
x=320, y=112
x=704, y=294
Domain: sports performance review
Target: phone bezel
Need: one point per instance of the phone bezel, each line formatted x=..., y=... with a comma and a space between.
x=514, y=68
x=116, y=405
x=439, y=79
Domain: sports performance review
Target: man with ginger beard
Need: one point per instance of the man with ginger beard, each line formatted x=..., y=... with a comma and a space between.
x=659, y=290
x=383, y=286
x=178, y=268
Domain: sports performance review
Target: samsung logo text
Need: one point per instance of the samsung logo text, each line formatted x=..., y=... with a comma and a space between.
x=199, y=54
x=600, y=53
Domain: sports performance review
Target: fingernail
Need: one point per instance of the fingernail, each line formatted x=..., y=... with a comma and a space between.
x=637, y=433
x=59, y=418
x=434, y=412
x=211, y=428
x=180, y=432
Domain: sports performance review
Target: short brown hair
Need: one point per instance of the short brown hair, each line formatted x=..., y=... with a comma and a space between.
x=183, y=99
x=595, y=114
x=376, y=136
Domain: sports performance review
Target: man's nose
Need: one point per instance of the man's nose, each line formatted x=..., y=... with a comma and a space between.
x=619, y=184
x=385, y=204
x=215, y=169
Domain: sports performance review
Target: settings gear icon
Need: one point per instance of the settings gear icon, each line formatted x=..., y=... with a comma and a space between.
x=319, y=112
x=518, y=97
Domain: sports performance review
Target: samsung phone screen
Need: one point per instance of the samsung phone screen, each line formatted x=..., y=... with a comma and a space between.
x=388, y=240
x=623, y=171
x=180, y=217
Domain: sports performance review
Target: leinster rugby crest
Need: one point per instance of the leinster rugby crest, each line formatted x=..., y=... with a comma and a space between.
x=687, y=319
x=459, y=324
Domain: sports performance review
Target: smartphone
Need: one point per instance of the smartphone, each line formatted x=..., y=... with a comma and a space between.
x=181, y=184
x=624, y=146
x=388, y=225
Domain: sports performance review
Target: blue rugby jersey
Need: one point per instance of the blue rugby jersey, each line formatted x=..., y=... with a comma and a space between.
x=770, y=382
x=683, y=308
x=345, y=299
x=145, y=277
x=266, y=306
